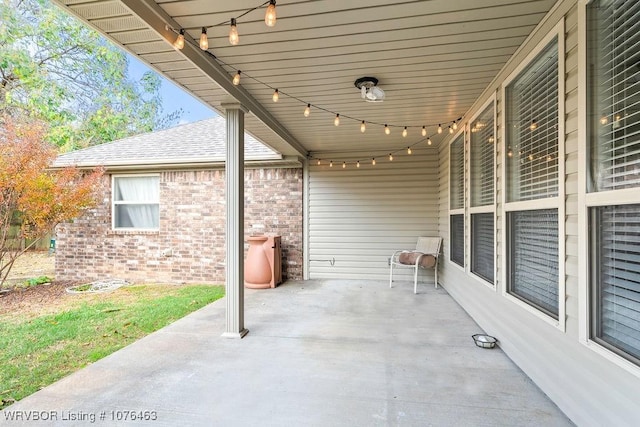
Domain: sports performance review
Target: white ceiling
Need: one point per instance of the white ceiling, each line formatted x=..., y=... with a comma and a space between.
x=433, y=58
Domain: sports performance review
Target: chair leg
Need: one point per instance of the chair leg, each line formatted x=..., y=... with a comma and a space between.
x=415, y=281
x=435, y=273
x=390, y=274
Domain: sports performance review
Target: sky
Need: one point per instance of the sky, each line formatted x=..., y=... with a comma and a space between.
x=173, y=97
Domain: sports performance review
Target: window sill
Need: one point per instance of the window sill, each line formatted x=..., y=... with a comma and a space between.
x=133, y=231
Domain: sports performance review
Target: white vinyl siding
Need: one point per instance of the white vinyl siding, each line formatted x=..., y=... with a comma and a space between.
x=360, y=216
x=613, y=202
x=595, y=389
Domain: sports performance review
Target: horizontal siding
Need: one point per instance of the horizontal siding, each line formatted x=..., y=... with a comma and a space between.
x=360, y=216
x=593, y=390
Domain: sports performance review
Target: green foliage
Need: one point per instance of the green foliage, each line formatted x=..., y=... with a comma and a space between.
x=39, y=351
x=54, y=68
x=35, y=281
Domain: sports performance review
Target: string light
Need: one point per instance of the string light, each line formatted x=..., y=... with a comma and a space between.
x=330, y=163
x=318, y=162
x=204, y=40
x=336, y=121
x=373, y=161
x=424, y=131
x=390, y=157
x=276, y=95
x=363, y=127
x=439, y=129
x=455, y=125
x=179, y=43
x=604, y=120
x=428, y=141
x=234, y=38
x=236, y=78
x=387, y=130
x=491, y=139
x=344, y=165
x=270, y=15
x=358, y=164
x=409, y=150
x=534, y=125
x=450, y=129
x=404, y=132
x=307, y=110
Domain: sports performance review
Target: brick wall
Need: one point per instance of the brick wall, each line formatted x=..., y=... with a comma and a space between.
x=190, y=245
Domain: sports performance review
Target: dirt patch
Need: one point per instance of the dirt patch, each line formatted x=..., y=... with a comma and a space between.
x=32, y=264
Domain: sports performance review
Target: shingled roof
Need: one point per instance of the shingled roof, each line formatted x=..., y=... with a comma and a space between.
x=202, y=142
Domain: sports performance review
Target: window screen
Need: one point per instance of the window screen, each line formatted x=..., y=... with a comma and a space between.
x=457, y=239
x=533, y=263
x=616, y=277
x=614, y=87
x=482, y=244
x=136, y=202
x=532, y=129
x=457, y=173
x=481, y=158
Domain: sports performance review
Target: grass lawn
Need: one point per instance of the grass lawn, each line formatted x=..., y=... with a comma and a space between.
x=37, y=350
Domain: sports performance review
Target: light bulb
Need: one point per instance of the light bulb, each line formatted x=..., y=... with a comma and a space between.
x=307, y=110
x=318, y=162
x=373, y=161
x=491, y=139
x=450, y=129
x=344, y=165
x=404, y=132
x=179, y=43
x=234, y=38
x=428, y=141
x=455, y=125
x=510, y=153
x=387, y=130
x=363, y=127
x=358, y=164
x=604, y=120
x=409, y=150
x=204, y=40
x=270, y=15
x=276, y=95
x=424, y=131
x=533, y=125
x=331, y=164
x=336, y=121
x=236, y=78
x=439, y=129
x=390, y=157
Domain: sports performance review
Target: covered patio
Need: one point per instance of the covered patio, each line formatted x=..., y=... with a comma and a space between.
x=320, y=353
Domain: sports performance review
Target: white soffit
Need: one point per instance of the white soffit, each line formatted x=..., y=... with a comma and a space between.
x=432, y=58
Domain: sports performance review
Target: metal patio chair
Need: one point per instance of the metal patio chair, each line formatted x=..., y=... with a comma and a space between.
x=425, y=255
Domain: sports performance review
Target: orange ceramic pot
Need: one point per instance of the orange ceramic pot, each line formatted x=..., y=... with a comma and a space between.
x=257, y=271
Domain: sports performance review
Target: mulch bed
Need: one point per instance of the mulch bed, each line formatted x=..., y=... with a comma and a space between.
x=33, y=296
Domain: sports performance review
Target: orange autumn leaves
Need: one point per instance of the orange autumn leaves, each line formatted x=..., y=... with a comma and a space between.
x=32, y=195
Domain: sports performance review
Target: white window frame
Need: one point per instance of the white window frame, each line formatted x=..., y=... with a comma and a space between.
x=459, y=211
x=589, y=200
x=556, y=203
x=114, y=203
x=487, y=208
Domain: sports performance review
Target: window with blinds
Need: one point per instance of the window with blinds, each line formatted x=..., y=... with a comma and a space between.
x=532, y=129
x=482, y=244
x=533, y=263
x=456, y=234
x=456, y=173
x=481, y=158
x=616, y=278
x=614, y=88
x=613, y=117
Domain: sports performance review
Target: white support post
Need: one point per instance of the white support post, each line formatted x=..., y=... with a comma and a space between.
x=234, y=236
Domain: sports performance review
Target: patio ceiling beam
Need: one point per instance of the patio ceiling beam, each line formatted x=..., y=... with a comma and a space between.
x=157, y=20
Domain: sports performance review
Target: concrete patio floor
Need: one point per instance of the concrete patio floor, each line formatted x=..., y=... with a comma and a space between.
x=319, y=353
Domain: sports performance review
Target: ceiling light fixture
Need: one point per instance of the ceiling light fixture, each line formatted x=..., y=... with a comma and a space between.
x=369, y=90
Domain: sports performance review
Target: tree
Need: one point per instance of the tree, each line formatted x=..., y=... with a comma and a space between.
x=32, y=195
x=54, y=68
